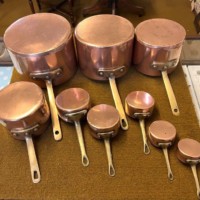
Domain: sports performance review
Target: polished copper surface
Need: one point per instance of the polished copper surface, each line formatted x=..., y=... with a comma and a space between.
x=160, y=33
x=71, y=101
x=161, y=131
x=37, y=47
x=104, y=31
x=19, y=100
x=188, y=149
x=104, y=42
x=23, y=107
x=139, y=102
x=37, y=33
x=103, y=118
x=157, y=41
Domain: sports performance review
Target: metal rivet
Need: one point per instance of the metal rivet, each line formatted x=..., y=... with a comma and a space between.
x=35, y=129
x=121, y=70
x=101, y=73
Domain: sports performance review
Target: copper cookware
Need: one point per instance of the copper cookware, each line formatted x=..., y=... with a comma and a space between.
x=157, y=51
x=73, y=105
x=41, y=46
x=104, y=46
x=162, y=134
x=188, y=152
x=140, y=105
x=25, y=113
x=104, y=120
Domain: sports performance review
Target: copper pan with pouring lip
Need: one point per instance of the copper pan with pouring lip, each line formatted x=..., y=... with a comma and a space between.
x=25, y=113
x=41, y=46
x=104, y=47
x=157, y=50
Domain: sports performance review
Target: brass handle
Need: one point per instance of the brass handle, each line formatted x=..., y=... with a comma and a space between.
x=146, y=146
x=118, y=103
x=170, y=94
x=54, y=112
x=111, y=168
x=85, y=160
x=35, y=172
x=194, y=171
x=170, y=174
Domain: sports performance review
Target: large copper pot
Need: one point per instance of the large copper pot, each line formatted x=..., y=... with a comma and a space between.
x=157, y=51
x=41, y=46
x=104, y=47
x=25, y=113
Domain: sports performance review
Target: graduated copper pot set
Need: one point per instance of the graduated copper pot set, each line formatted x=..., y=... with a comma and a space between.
x=43, y=47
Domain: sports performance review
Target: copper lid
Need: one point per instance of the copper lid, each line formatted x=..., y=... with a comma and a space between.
x=73, y=99
x=162, y=131
x=140, y=100
x=160, y=33
x=19, y=100
x=103, y=118
x=104, y=30
x=189, y=148
x=37, y=33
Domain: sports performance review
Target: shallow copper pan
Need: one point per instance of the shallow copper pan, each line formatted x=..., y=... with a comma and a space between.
x=24, y=112
x=41, y=46
x=104, y=47
x=157, y=51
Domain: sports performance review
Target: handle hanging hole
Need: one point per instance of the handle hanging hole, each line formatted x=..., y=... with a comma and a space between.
x=57, y=132
x=35, y=175
x=175, y=110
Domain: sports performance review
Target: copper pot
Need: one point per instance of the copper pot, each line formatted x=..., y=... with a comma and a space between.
x=24, y=112
x=41, y=46
x=104, y=47
x=157, y=51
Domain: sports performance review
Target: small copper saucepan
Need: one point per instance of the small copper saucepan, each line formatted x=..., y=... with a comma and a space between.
x=104, y=45
x=41, y=46
x=24, y=112
x=188, y=152
x=157, y=51
x=104, y=120
x=162, y=134
x=140, y=105
x=73, y=105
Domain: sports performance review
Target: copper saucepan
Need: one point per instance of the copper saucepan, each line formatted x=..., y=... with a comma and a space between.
x=188, y=152
x=104, y=46
x=104, y=120
x=73, y=105
x=24, y=112
x=162, y=134
x=41, y=46
x=157, y=51
x=140, y=105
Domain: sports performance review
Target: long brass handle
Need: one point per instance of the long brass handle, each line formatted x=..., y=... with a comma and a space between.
x=194, y=171
x=35, y=172
x=54, y=112
x=118, y=103
x=146, y=146
x=170, y=174
x=111, y=168
x=85, y=160
x=170, y=94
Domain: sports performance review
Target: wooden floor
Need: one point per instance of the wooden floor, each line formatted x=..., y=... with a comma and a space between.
x=12, y=10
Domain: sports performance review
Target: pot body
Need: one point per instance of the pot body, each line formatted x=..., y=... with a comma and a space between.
x=105, y=47
x=158, y=46
x=28, y=113
x=47, y=51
